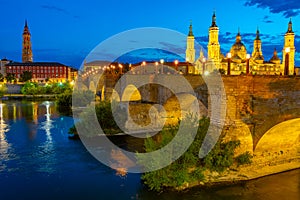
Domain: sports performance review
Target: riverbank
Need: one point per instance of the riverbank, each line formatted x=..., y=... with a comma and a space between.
x=243, y=173
x=23, y=96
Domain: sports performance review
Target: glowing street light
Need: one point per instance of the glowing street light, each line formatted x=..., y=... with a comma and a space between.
x=176, y=64
x=156, y=66
x=162, y=67
x=121, y=68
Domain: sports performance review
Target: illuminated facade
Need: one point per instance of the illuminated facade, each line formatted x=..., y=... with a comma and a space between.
x=26, y=51
x=41, y=71
x=190, y=49
x=238, y=61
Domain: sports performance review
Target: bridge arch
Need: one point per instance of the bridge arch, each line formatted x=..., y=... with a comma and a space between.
x=131, y=93
x=115, y=96
x=175, y=112
x=92, y=86
x=281, y=140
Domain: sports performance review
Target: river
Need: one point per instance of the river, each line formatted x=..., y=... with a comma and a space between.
x=38, y=161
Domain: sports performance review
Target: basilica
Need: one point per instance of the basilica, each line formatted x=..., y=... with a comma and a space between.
x=238, y=60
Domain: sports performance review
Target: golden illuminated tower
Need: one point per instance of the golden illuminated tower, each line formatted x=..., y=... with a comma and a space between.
x=26, y=51
x=257, y=51
x=288, y=51
x=190, y=52
x=213, y=43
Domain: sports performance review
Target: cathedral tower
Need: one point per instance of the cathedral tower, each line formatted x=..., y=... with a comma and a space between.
x=288, y=51
x=213, y=43
x=257, y=52
x=190, y=52
x=26, y=51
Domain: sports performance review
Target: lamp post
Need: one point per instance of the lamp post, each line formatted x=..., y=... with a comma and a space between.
x=203, y=65
x=248, y=64
x=156, y=66
x=176, y=64
x=144, y=68
x=162, y=67
x=229, y=63
x=121, y=68
x=287, y=60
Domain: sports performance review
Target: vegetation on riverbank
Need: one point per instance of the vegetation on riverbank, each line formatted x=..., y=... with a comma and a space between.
x=189, y=167
x=31, y=88
x=3, y=90
x=111, y=118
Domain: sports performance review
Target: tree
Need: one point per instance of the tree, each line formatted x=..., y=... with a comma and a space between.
x=26, y=76
x=10, y=77
x=3, y=90
x=30, y=88
x=1, y=77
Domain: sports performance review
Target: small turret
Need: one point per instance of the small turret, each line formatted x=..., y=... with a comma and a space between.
x=257, y=34
x=214, y=20
x=275, y=58
x=191, y=30
x=290, y=27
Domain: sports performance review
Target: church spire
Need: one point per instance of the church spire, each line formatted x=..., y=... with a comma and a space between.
x=191, y=29
x=214, y=20
x=238, y=36
x=257, y=34
x=290, y=28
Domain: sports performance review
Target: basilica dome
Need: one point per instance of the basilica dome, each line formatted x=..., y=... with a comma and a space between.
x=238, y=49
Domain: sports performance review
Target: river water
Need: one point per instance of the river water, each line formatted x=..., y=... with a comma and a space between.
x=38, y=161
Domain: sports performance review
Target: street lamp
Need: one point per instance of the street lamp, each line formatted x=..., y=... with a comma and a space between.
x=144, y=68
x=203, y=65
x=229, y=63
x=248, y=64
x=162, y=67
x=287, y=60
x=156, y=66
x=176, y=63
x=121, y=68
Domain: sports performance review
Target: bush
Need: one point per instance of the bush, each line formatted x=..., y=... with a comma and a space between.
x=244, y=158
x=30, y=88
x=3, y=90
x=105, y=117
x=221, y=156
x=187, y=168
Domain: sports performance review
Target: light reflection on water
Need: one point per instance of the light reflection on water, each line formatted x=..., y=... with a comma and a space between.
x=39, y=162
x=4, y=145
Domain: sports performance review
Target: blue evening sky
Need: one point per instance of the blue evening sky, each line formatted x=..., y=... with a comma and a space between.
x=66, y=31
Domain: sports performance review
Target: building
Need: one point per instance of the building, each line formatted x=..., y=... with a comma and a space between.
x=238, y=60
x=41, y=71
x=26, y=50
x=3, y=62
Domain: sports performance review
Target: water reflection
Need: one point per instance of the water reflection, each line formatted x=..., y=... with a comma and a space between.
x=47, y=148
x=4, y=145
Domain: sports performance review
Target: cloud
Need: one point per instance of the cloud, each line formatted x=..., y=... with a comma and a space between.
x=55, y=8
x=288, y=8
x=267, y=20
x=178, y=49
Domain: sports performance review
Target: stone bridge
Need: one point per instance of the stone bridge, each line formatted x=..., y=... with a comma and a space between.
x=263, y=112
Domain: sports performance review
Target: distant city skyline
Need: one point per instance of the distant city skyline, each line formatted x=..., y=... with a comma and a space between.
x=64, y=31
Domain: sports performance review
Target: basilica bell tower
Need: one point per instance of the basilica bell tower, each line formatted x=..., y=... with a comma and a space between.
x=213, y=43
x=288, y=51
x=190, y=52
x=26, y=51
